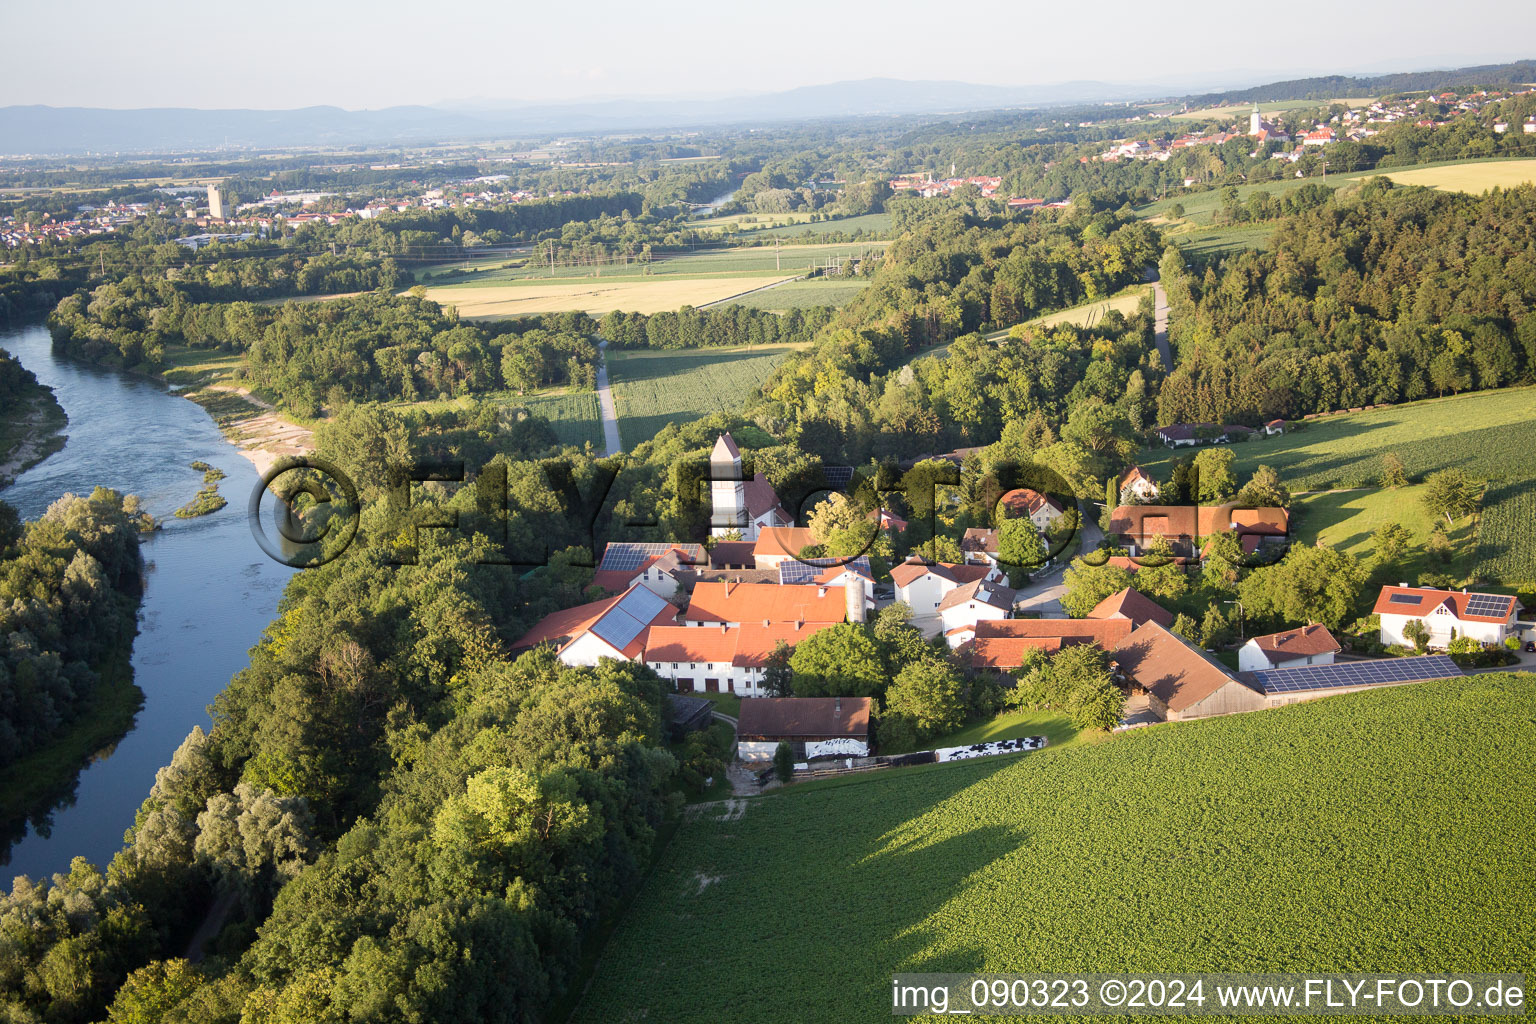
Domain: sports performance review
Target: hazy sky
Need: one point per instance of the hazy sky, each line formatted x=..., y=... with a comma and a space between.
x=378, y=53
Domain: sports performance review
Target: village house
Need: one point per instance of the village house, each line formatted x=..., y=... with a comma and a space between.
x=778, y=544
x=922, y=585
x=658, y=567
x=722, y=658
x=979, y=547
x=1183, y=435
x=1311, y=644
x=1447, y=614
x=732, y=604
x=1027, y=503
x=1134, y=607
x=854, y=574
x=1002, y=645
x=1137, y=487
x=1136, y=526
x=812, y=726
x=965, y=606
x=615, y=627
x=1274, y=427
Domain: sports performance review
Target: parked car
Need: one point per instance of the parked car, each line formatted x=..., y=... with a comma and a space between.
x=1530, y=646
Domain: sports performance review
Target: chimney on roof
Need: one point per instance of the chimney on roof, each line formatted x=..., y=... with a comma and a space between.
x=799, y=624
x=1402, y=584
x=723, y=627
x=728, y=586
x=837, y=704
x=767, y=623
x=821, y=591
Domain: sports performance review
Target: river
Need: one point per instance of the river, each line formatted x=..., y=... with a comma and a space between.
x=208, y=589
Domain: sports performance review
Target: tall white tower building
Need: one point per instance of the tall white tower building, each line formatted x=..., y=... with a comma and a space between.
x=727, y=489
x=215, y=203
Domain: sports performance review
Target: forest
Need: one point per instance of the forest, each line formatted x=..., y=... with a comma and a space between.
x=1381, y=295
x=69, y=585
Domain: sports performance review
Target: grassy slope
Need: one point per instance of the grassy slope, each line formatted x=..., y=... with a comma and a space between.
x=1347, y=519
x=1376, y=831
x=654, y=388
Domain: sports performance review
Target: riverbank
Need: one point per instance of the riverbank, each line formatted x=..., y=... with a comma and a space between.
x=30, y=430
x=253, y=426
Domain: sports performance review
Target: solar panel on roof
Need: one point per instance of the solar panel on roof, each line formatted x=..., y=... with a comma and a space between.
x=795, y=571
x=1378, y=672
x=1403, y=599
x=837, y=476
x=627, y=555
x=624, y=621
x=1492, y=605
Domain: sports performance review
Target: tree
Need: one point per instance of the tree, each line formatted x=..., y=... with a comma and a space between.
x=1087, y=585
x=930, y=695
x=1187, y=627
x=835, y=514
x=1160, y=576
x=1216, y=479
x=840, y=661
x=783, y=762
x=1264, y=490
x=1450, y=494
x=1215, y=629
x=1020, y=548
x=152, y=991
x=1416, y=631
x=778, y=680
x=1389, y=542
x=1392, y=474
x=1310, y=584
x=1081, y=676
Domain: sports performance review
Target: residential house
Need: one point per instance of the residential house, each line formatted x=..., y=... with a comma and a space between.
x=854, y=574
x=1133, y=606
x=732, y=554
x=922, y=585
x=1274, y=427
x=1171, y=680
x=1137, y=487
x=1448, y=614
x=979, y=547
x=812, y=726
x=1136, y=526
x=1182, y=435
x=615, y=627
x=1318, y=137
x=656, y=566
x=1311, y=644
x=965, y=606
x=1041, y=509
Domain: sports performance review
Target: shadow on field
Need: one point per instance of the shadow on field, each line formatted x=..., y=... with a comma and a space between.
x=626, y=368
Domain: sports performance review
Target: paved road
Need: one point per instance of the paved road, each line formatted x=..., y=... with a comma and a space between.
x=610, y=413
x=1160, y=323
x=1042, y=594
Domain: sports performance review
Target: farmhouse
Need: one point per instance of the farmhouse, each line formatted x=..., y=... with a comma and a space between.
x=1136, y=486
x=614, y=627
x=854, y=574
x=721, y=659
x=1447, y=614
x=979, y=546
x=1307, y=645
x=731, y=604
x=740, y=506
x=1133, y=606
x=1137, y=526
x=1172, y=681
x=1181, y=435
x=812, y=726
x=1002, y=645
x=732, y=554
x=922, y=585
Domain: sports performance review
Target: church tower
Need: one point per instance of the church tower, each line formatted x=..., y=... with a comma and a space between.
x=727, y=489
x=1255, y=123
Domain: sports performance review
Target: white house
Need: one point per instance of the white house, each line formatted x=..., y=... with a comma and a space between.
x=973, y=602
x=659, y=567
x=921, y=585
x=721, y=658
x=1137, y=486
x=614, y=627
x=1041, y=509
x=979, y=547
x=1309, y=645
x=1447, y=614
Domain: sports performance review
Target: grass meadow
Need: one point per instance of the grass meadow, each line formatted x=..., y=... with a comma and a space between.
x=1345, y=450
x=652, y=388
x=1370, y=832
x=821, y=291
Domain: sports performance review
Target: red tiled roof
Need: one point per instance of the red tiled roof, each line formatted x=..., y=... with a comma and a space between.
x=759, y=602
x=1175, y=521
x=1426, y=599
x=762, y=498
x=782, y=540
x=1028, y=501
x=789, y=718
x=565, y=623
x=1132, y=604
x=1297, y=643
x=1001, y=643
x=1169, y=668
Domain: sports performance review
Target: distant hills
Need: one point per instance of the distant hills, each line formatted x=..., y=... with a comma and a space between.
x=48, y=130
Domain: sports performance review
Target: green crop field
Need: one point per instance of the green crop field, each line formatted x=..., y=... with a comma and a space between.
x=1489, y=434
x=759, y=261
x=657, y=387
x=1214, y=242
x=869, y=223
x=573, y=416
x=821, y=291
x=1381, y=831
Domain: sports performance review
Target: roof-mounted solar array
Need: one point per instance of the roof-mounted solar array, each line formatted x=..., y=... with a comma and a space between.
x=623, y=622
x=795, y=571
x=1492, y=605
x=1377, y=672
x=626, y=555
